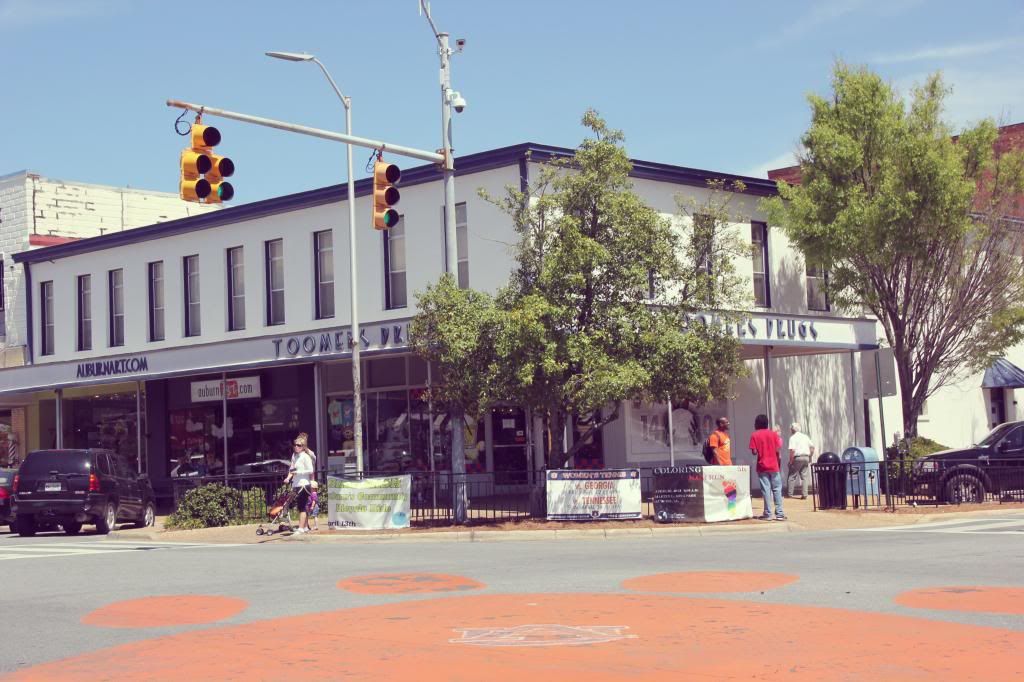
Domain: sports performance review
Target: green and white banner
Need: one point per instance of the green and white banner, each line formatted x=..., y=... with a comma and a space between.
x=369, y=504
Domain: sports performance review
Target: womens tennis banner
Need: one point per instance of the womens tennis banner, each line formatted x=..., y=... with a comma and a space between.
x=584, y=495
x=369, y=504
x=698, y=493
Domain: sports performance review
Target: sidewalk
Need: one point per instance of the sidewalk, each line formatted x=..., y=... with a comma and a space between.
x=802, y=518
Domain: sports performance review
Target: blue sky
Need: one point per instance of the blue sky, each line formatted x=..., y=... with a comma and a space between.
x=720, y=86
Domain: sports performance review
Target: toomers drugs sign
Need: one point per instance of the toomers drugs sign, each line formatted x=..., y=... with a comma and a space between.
x=577, y=495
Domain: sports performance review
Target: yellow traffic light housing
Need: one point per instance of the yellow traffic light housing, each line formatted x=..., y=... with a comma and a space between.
x=202, y=171
x=385, y=194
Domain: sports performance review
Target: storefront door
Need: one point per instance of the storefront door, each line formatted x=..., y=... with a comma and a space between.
x=510, y=446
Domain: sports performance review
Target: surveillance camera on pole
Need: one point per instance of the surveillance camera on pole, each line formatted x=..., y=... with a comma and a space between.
x=458, y=101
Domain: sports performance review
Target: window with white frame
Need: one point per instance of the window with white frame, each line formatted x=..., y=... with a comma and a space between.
x=115, y=279
x=236, y=289
x=759, y=250
x=394, y=266
x=193, y=315
x=817, y=294
x=323, y=273
x=156, y=301
x=275, y=281
x=46, y=317
x=85, y=312
x=461, y=244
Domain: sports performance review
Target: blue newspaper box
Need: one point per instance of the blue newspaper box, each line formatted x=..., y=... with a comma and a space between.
x=863, y=470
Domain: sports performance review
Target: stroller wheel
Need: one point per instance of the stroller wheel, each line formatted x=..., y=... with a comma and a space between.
x=284, y=527
x=259, y=531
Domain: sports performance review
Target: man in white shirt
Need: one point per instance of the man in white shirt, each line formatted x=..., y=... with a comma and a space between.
x=801, y=449
x=300, y=474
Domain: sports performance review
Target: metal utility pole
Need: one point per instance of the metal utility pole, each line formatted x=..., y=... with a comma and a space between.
x=456, y=418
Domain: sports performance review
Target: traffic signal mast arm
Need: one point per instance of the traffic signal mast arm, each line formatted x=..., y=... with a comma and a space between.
x=433, y=157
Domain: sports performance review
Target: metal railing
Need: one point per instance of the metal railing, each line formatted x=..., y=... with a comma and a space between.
x=921, y=482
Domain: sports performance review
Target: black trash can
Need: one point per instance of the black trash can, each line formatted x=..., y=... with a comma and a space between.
x=830, y=478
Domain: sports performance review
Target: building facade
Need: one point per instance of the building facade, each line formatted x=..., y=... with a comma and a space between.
x=208, y=342
x=36, y=212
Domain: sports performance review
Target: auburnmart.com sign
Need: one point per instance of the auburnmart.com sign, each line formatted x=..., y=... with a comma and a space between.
x=237, y=388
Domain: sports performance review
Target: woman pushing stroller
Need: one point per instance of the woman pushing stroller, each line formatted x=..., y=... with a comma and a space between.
x=300, y=474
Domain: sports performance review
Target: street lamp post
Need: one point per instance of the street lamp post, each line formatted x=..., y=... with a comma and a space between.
x=353, y=285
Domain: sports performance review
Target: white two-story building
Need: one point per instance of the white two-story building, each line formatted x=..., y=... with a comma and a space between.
x=131, y=334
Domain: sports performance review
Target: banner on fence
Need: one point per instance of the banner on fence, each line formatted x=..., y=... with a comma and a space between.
x=698, y=493
x=368, y=504
x=577, y=495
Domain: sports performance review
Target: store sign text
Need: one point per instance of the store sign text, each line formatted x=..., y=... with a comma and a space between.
x=105, y=368
x=325, y=343
x=767, y=328
x=232, y=389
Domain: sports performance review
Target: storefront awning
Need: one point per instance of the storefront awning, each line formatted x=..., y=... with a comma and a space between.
x=1003, y=374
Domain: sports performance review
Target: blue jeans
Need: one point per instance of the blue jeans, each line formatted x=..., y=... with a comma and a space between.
x=771, y=484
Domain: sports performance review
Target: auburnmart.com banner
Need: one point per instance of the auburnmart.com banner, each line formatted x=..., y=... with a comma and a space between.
x=369, y=504
x=702, y=493
x=578, y=495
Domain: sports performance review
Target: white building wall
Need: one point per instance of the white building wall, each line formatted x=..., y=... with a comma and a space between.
x=31, y=204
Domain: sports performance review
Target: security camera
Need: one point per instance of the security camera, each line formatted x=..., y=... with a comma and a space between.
x=459, y=102
x=460, y=44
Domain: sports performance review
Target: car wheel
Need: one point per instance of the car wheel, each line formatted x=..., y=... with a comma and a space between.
x=147, y=517
x=26, y=525
x=106, y=524
x=965, y=488
x=72, y=527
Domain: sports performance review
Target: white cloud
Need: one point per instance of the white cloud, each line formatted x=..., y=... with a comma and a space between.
x=977, y=94
x=15, y=14
x=823, y=13
x=780, y=161
x=947, y=52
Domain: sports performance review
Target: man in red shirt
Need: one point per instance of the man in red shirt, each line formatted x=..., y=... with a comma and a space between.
x=765, y=445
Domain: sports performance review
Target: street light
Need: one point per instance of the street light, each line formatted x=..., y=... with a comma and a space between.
x=356, y=383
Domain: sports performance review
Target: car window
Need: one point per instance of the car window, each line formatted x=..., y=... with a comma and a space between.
x=124, y=469
x=1014, y=440
x=103, y=464
x=4, y=478
x=995, y=434
x=41, y=463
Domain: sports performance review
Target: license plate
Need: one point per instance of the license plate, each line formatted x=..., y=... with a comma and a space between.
x=52, y=488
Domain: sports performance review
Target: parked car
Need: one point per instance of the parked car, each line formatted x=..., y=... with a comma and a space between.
x=266, y=466
x=74, y=487
x=6, y=498
x=995, y=466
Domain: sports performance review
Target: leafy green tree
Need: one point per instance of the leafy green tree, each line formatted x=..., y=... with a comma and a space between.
x=597, y=309
x=911, y=224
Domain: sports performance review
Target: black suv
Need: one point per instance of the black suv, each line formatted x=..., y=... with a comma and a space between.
x=72, y=487
x=993, y=466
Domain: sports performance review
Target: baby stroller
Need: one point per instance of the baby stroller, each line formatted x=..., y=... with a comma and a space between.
x=280, y=513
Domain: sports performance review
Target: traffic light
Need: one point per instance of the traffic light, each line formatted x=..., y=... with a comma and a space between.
x=385, y=194
x=202, y=171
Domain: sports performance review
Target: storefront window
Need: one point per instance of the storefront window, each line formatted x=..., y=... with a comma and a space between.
x=387, y=433
x=107, y=421
x=591, y=455
x=7, y=439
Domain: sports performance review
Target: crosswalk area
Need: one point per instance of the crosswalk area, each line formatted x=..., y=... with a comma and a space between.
x=1007, y=526
x=14, y=550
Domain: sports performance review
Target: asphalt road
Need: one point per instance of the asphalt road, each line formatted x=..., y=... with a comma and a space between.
x=57, y=591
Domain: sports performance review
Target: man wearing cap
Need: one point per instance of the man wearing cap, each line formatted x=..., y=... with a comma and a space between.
x=801, y=449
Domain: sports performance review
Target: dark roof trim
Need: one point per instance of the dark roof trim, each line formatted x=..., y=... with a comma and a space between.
x=1003, y=374
x=464, y=165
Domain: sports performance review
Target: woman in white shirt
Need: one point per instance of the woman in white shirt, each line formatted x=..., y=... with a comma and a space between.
x=300, y=474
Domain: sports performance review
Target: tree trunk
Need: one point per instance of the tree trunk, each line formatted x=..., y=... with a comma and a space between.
x=456, y=417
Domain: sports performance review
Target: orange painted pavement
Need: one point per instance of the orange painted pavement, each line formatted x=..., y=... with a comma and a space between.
x=709, y=581
x=972, y=599
x=157, y=612
x=408, y=583
x=645, y=637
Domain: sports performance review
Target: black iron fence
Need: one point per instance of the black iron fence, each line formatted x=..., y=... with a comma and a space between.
x=921, y=482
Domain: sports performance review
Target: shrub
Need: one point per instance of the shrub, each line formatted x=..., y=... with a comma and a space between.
x=914, y=448
x=213, y=504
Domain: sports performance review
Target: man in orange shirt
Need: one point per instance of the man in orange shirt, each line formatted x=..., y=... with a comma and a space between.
x=721, y=443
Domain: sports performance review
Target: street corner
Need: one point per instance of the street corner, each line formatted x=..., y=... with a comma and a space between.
x=967, y=599
x=709, y=582
x=597, y=636
x=165, y=611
